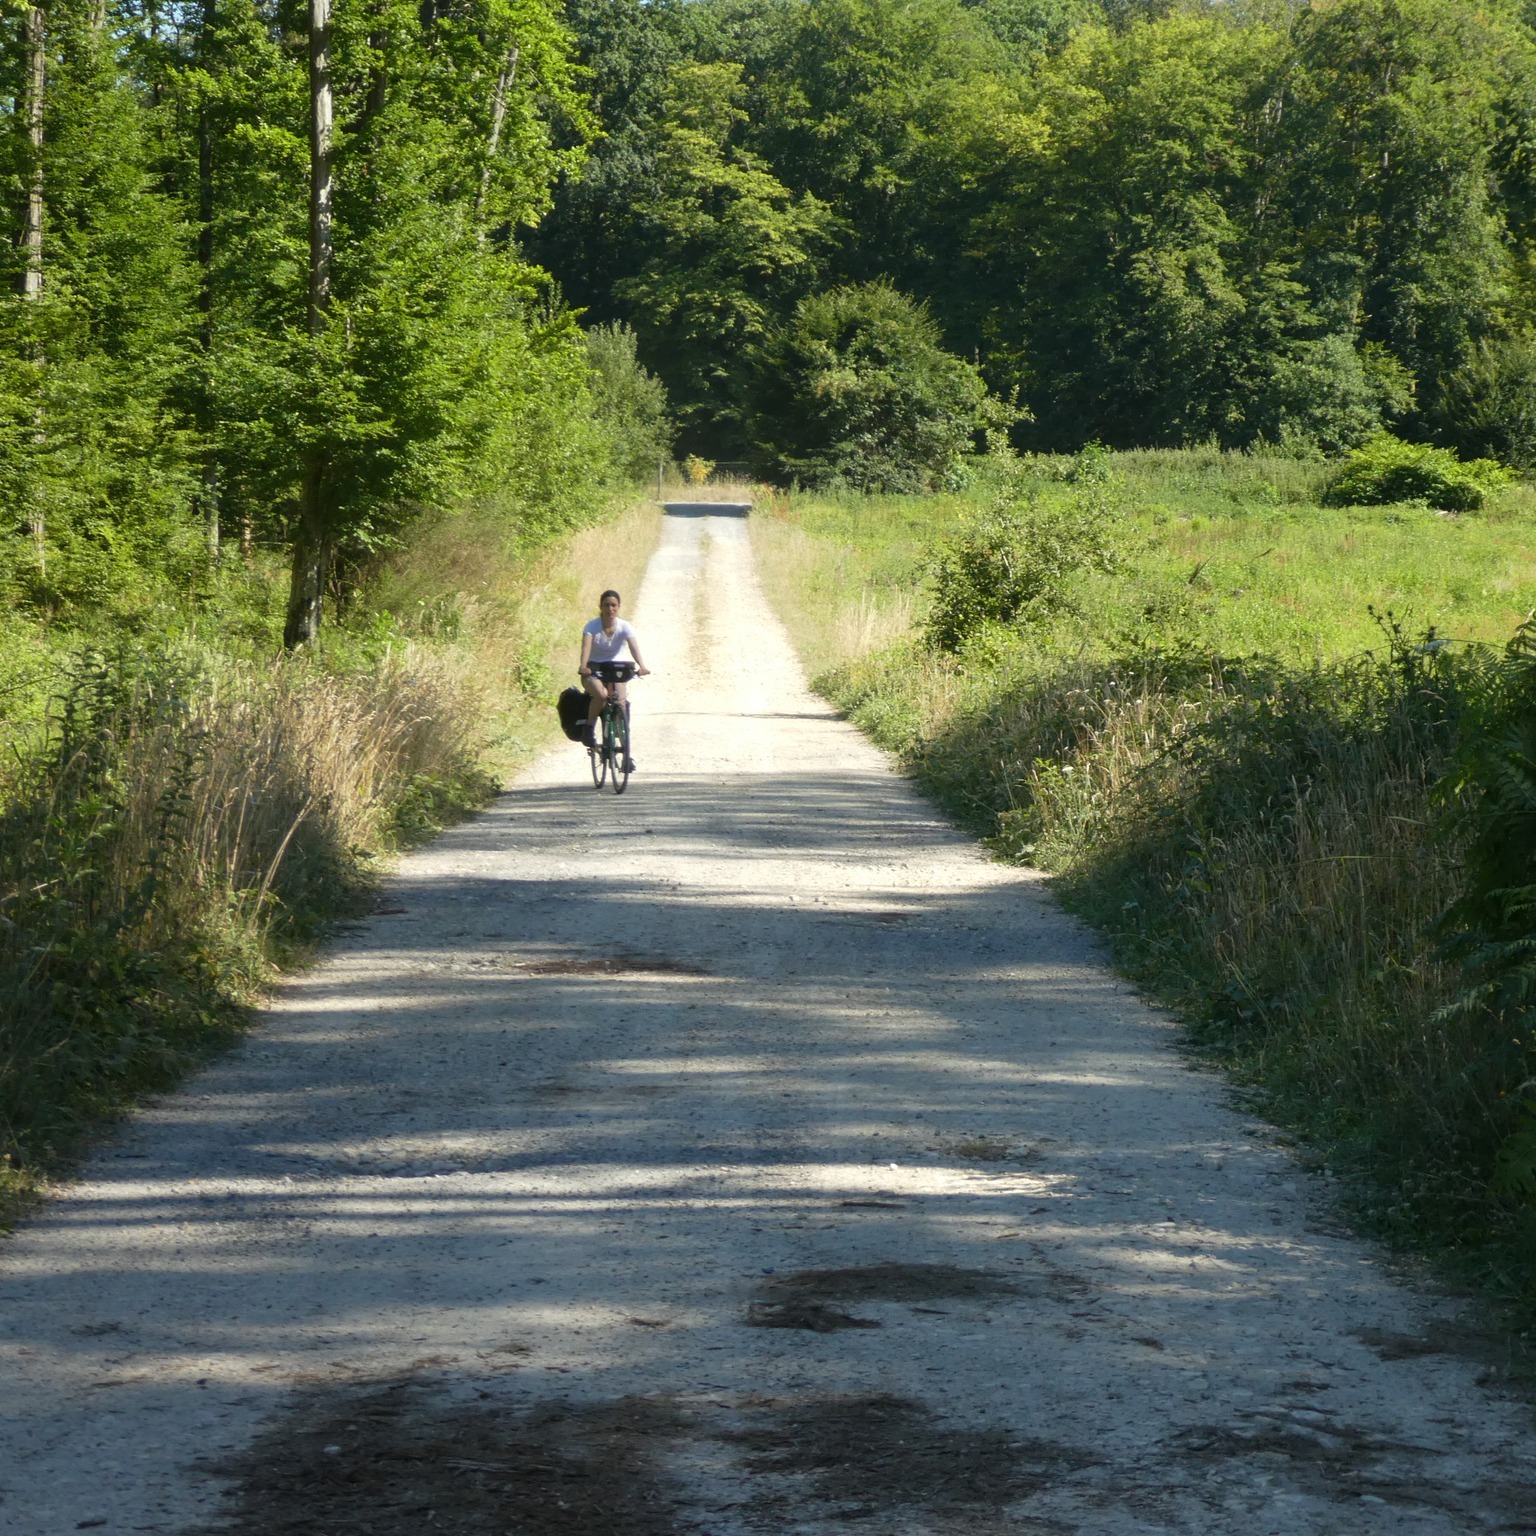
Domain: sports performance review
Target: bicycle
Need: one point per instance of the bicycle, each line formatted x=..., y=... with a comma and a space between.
x=608, y=751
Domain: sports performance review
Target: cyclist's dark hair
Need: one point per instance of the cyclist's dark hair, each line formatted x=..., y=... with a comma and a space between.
x=610, y=593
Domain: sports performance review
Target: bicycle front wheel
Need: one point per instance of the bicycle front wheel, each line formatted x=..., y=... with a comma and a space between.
x=597, y=755
x=618, y=745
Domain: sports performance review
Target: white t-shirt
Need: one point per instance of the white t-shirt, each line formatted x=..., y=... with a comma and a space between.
x=606, y=647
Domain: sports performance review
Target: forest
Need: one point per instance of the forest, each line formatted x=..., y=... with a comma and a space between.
x=1150, y=225
x=290, y=277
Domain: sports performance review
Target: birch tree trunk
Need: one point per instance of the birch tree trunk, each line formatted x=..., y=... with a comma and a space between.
x=208, y=493
x=498, y=121
x=321, y=129
x=312, y=537
x=35, y=33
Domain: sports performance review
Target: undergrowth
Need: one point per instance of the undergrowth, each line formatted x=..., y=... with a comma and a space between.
x=1260, y=830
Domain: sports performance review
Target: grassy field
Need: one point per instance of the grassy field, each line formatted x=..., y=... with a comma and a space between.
x=182, y=808
x=1229, y=764
x=1223, y=550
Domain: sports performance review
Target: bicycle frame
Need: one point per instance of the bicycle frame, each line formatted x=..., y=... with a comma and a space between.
x=609, y=752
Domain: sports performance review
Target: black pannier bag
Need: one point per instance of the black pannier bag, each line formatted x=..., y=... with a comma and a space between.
x=573, y=707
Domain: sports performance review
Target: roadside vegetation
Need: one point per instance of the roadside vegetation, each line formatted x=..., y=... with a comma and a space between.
x=1259, y=742
x=183, y=807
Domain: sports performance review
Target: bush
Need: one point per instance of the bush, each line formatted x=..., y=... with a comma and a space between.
x=1013, y=564
x=630, y=402
x=1324, y=394
x=856, y=391
x=1489, y=406
x=1492, y=925
x=1386, y=470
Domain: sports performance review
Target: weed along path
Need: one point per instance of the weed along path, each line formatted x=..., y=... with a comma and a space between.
x=744, y=1154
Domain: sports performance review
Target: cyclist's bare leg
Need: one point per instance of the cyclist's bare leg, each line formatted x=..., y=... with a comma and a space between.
x=621, y=693
x=597, y=696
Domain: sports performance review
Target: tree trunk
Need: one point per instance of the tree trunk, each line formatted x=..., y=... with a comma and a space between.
x=312, y=536
x=35, y=34
x=498, y=121
x=311, y=557
x=321, y=119
x=37, y=86
x=208, y=495
x=208, y=505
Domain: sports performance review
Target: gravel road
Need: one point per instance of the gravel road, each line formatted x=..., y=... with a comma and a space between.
x=744, y=1154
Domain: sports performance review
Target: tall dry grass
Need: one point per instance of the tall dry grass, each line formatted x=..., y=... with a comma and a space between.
x=840, y=612
x=184, y=821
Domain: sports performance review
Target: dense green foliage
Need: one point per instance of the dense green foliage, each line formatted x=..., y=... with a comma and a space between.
x=1160, y=224
x=631, y=402
x=1491, y=927
x=166, y=377
x=856, y=390
x=1384, y=470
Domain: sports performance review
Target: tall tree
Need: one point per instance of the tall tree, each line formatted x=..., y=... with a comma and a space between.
x=730, y=250
x=312, y=531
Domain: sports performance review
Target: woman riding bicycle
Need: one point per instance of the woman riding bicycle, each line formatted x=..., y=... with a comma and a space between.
x=602, y=641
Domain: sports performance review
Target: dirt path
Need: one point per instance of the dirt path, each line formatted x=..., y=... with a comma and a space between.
x=747, y=1154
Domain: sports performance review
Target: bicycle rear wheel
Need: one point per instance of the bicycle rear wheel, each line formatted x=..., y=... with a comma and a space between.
x=597, y=757
x=617, y=735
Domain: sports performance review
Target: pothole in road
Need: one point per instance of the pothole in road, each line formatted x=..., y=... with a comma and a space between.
x=1438, y=1339
x=395, y=1461
x=887, y=1282
x=884, y=1452
x=814, y=1316
x=608, y=965
x=995, y=1149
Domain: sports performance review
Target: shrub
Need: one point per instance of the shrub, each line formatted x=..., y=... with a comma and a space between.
x=1492, y=925
x=856, y=391
x=630, y=402
x=1325, y=394
x=1014, y=562
x=1386, y=470
x=1489, y=405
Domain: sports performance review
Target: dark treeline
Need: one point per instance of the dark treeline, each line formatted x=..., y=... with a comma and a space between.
x=1148, y=224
